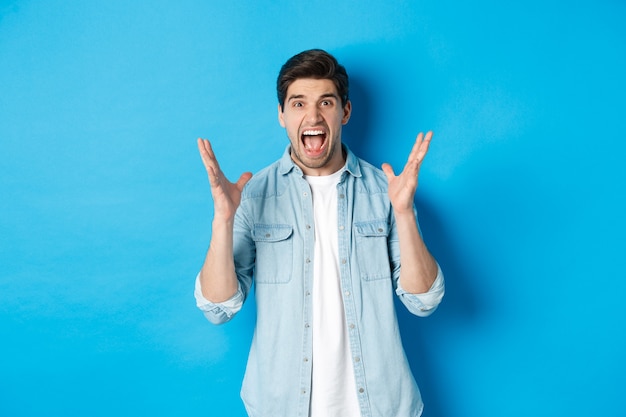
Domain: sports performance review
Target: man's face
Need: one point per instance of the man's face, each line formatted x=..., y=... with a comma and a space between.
x=313, y=118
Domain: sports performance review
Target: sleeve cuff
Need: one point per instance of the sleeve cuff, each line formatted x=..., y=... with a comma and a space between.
x=426, y=303
x=218, y=312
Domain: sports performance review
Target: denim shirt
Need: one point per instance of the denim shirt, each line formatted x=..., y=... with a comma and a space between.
x=273, y=246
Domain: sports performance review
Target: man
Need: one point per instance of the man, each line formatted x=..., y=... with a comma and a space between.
x=327, y=238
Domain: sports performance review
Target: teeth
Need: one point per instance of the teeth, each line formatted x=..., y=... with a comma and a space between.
x=313, y=132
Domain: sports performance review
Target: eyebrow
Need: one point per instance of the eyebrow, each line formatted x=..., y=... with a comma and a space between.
x=323, y=96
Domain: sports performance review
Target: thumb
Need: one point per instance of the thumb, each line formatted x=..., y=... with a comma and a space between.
x=243, y=180
x=388, y=170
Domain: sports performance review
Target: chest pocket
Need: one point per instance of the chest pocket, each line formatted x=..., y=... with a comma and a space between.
x=372, y=250
x=274, y=253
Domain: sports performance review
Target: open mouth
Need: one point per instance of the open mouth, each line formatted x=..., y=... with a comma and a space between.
x=314, y=141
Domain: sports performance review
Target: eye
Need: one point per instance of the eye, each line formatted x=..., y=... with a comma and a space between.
x=326, y=103
x=297, y=104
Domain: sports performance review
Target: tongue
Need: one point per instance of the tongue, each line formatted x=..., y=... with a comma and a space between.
x=313, y=143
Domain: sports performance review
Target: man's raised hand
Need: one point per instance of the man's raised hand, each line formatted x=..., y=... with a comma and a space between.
x=226, y=195
x=402, y=187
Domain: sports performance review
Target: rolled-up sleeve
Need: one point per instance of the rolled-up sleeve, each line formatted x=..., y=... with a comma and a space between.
x=426, y=303
x=218, y=313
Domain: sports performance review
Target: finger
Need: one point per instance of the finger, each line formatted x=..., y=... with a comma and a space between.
x=210, y=163
x=208, y=156
x=214, y=179
x=388, y=170
x=419, y=150
x=424, y=145
x=204, y=152
x=243, y=179
x=412, y=162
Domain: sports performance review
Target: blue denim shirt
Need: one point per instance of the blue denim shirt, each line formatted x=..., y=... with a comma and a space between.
x=273, y=246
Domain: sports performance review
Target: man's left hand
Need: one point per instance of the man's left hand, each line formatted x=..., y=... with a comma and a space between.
x=402, y=187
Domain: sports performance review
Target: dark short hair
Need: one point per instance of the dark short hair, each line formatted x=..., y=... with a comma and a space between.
x=313, y=63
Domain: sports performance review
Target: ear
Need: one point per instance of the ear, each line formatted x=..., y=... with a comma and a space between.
x=347, y=111
x=281, y=120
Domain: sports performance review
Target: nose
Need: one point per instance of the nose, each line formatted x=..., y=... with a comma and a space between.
x=313, y=115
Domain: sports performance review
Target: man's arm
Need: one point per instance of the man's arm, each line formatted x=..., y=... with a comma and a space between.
x=419, y=269
x=218, y=279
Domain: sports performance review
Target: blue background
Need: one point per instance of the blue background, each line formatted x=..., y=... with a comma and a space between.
x=105, y=209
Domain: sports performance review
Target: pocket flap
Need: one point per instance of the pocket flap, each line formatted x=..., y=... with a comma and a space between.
x=372, y=228
x=271, y=232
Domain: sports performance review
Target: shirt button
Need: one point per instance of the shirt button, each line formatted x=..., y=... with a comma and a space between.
x=303, y=391
x=341, y=196
x=305, y=194
x=347, y=293
x=351, y=325
x=267, y=235
x=306, y=359
x=343, y=261
x=308, y=260
x=308, y=226
x=361, y=390
x=340, y=227
x=357, y=359
x=380, y=230
x=307, y=325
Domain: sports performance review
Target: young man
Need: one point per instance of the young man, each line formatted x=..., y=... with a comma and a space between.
x=327, y=238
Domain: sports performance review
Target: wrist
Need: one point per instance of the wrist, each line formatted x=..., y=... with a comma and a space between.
x=222, y=224
x=404, y=215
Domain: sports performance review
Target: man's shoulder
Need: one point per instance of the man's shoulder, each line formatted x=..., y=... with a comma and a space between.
x=272, y=170
x=264, y=180
x=370, y=169
x=372, y=178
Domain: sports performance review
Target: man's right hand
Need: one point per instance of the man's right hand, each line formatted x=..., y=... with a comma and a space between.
x=226, y=195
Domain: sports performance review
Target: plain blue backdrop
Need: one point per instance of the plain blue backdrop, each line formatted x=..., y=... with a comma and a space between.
x=105, y=209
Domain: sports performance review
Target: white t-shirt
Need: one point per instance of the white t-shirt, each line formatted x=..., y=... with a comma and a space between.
x=333, y=392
